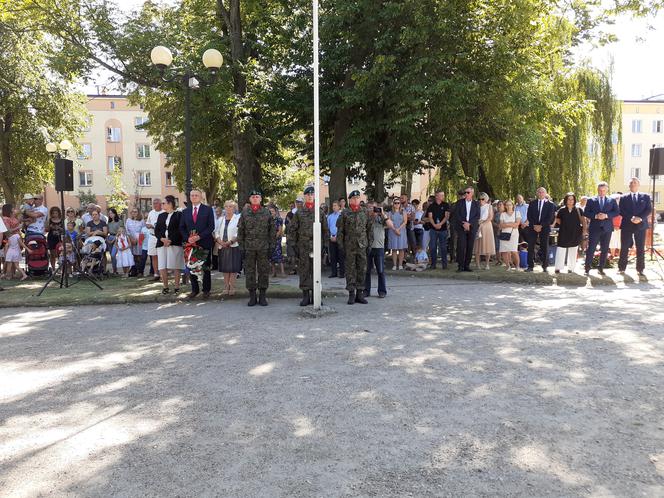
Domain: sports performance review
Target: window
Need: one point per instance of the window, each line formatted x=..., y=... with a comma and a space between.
x=114, y=162
x=636, y=126
x=143, y=151
x=636, y=172
x=86, y=152
x=144, y=179
x=636, y=150
x=113, y=134
x=139, y=122
x=658, y=126
x=170, y=179
x=656, y=197
x=85, y=178
x=145, y=204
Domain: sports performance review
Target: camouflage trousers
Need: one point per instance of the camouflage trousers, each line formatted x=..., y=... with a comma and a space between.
x=305, y=270
x=257, y=267
x=356, y=269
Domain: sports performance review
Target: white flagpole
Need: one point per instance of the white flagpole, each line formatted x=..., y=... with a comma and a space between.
x=317, y=221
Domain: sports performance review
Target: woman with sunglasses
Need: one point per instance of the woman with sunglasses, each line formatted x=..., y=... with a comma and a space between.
x=397, y=238
x=485, y=244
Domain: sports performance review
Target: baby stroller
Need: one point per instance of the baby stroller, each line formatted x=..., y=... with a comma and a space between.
x=37, y=259
x=92, y=254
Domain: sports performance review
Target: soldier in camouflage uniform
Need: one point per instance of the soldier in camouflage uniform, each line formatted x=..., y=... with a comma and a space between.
x=354, y=236
x=256, y=235
x=301, y=229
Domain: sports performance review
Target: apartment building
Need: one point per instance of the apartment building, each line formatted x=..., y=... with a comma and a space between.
x=642, y=128
x=114, y=141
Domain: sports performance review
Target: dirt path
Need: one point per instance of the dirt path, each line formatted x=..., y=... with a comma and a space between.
x=442, y=389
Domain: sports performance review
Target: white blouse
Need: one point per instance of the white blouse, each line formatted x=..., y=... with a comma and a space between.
x=232, y=229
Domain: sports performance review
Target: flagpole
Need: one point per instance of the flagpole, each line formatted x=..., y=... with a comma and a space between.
x=317, y=221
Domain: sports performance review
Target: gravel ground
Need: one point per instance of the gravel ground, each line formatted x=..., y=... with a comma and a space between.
x=442, y=389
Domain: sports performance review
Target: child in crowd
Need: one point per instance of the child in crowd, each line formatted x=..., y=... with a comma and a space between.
x=71, y=232
x=145, y=237
x=72, y=263
x=13, y=257
x=124, y=257
x=421, y=260
x=93, y=257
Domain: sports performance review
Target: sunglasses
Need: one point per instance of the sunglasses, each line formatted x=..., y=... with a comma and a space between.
x=396, y=202
x=468, y=192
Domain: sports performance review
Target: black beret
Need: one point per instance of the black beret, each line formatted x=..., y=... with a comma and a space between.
x=354, y=193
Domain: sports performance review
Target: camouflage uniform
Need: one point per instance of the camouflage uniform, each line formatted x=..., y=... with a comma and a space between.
x=256, y=236
x=301, y=229
x=354, y=236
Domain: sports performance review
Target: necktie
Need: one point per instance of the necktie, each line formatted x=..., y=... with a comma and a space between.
x=540, y=211
x=601, y=203
x=195, y=215
x=634, y=198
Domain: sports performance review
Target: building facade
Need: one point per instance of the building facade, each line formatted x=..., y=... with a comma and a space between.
x=642, y=128
x=114, y=141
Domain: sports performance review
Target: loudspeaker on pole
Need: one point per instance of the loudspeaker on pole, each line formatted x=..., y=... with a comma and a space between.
x=656, y=161
x=64, y=175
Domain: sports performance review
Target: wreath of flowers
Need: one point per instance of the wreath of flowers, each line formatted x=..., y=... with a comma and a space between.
x=195, y=257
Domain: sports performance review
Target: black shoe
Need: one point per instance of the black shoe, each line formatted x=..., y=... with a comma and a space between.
x=351, y=297
x=261, y=298
x=459, y=270
x=206, y=296
x=601, y=272
x=621, y=272
x=192, y=295
x=586, y=273
x=165, y=290
x=529, y=270
x=342, y=275
x=252, y=298
x=305, y=298
x=382, y=296
x=641, y=274
x=467, y=269
x=359, y=298
x=333, y=276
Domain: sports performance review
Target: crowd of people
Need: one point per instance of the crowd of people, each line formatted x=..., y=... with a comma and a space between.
x=174, y=245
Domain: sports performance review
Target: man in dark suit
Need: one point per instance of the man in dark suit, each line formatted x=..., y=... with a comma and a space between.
x=466, y=223
x=600, y=211
x=635, y=208
x=200, y=218
x=541, y=214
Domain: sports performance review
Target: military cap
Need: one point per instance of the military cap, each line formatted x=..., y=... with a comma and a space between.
x=255, y=191
x=309, y=190
x=354, y=193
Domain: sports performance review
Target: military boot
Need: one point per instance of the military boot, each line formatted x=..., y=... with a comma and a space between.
x=252, y=297
x=351, y=297
x=305, y=298
x=261, y=297
x=359, y=298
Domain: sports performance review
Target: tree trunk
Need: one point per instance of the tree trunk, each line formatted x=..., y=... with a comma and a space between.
x=379, y=186
x=248, y=169
x=342, y=124
x=407, y=184
x=8, y=189
x=483, y=182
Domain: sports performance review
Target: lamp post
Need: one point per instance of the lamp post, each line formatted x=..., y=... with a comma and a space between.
x=212, y=60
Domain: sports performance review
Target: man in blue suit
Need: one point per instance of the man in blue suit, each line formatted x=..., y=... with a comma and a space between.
x=541, y=214
x=466, y=223
x=600, y=211
x=200, y=218
x=635, y=208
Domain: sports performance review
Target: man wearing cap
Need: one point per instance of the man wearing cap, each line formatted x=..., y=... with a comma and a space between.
x=256, y=236
x=302, y=230
x=290, y=246
x=354, y=236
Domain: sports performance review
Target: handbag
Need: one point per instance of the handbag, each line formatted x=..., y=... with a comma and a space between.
x=506, y=236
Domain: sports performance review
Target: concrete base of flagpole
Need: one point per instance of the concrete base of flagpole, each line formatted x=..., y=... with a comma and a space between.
x=311, y=312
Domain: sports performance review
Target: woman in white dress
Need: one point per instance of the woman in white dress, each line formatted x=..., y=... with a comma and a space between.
x=133, y=227
x=509, y=225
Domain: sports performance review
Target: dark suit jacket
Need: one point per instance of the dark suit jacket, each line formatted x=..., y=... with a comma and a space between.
x=174, y=234
x=460, y=215
x=547, y=217
x=642, y=209
x=204, y=225
x=592, y=208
